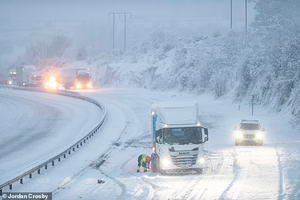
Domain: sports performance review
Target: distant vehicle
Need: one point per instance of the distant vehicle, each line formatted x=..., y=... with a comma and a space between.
x=23, y=73
x=37, y=80
x=4, y=76
x=76, y=78
x=249, y=132
x=52, y=82
x=12, y=76
x=178, y=137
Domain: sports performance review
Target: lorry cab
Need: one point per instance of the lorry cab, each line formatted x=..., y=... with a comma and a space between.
x=77, y=78
x=178, y=137
x=83, y=80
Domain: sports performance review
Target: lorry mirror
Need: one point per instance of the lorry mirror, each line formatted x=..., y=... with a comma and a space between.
x=205, y=135
x=158, y=140
x=205, y=139
x=206, y=131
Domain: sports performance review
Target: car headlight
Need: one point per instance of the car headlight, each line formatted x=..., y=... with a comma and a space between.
x=52, y=79
x=51, y=84
x=78, y=85
x=259, y=135
x=201, y=160
x=238, y=135
x=165, y=162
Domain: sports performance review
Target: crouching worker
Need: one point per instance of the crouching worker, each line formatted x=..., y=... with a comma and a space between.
x=143, y=160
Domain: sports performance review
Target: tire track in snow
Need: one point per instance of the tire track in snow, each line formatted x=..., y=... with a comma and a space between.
x=136, y=140
x=195, y=191
x=23, y=130
x=133, y=141
x=281, y=193
x=217, y=182
x=96, y=164
x=131, y=144
x=117, y=151
x=149, y=185
x=127, y=136
x=115, y=148
x=235, y=176
x=255, y=163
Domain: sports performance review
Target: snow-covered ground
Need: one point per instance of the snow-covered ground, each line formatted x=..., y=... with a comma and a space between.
x=244, y=172
x=35, y=126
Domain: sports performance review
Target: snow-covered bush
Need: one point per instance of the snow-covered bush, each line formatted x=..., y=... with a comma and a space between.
x=265, y=65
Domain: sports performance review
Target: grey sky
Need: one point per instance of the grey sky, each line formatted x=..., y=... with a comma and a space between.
x=86, y=22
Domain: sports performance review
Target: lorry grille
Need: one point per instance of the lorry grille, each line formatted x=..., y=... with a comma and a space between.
x=184, y=158
x=249, y=136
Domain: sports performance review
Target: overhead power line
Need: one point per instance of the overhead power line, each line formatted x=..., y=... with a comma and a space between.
x=125, y=24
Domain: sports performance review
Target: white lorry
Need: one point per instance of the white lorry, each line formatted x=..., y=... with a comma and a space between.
x=178, y=137
x=78, y=78
x=37, y=79
x=23, y=73
x=4, y=76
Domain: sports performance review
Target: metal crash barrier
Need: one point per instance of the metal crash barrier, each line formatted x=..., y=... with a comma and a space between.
x=69, y=150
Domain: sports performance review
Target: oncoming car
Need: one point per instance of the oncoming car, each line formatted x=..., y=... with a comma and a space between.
x=249, y=132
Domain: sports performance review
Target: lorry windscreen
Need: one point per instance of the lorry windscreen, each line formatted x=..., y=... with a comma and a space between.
x=39, y=78
x=83, y=77
x=245, y=126
x=188, y=135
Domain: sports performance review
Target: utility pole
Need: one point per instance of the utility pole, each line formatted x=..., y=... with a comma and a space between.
x=113, y=37
x=252, y=103
x=125, y=18
x=125, y=26
x=246, y=18
x=230, y=14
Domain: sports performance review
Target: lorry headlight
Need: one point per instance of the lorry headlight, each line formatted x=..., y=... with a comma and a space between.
x=78, y=85
x=52, y=79
x=201, y=160
x=238, y=135
x=89, y=85
x=9, y=82
x=51, y=84
x=259, y=135
x=165, y=162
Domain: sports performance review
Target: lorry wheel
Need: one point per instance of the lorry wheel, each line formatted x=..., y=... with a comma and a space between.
x=154, y=162
x=261, y=144
x=237, y=143
x=163, y=172
x=199, y=171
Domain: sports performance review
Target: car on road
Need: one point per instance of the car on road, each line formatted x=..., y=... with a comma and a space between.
x=249, y=132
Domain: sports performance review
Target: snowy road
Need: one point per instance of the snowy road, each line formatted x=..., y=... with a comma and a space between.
x=243, y=172
x=35, y=126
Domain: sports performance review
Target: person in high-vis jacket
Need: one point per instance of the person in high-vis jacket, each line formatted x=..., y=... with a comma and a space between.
x=144, y=161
